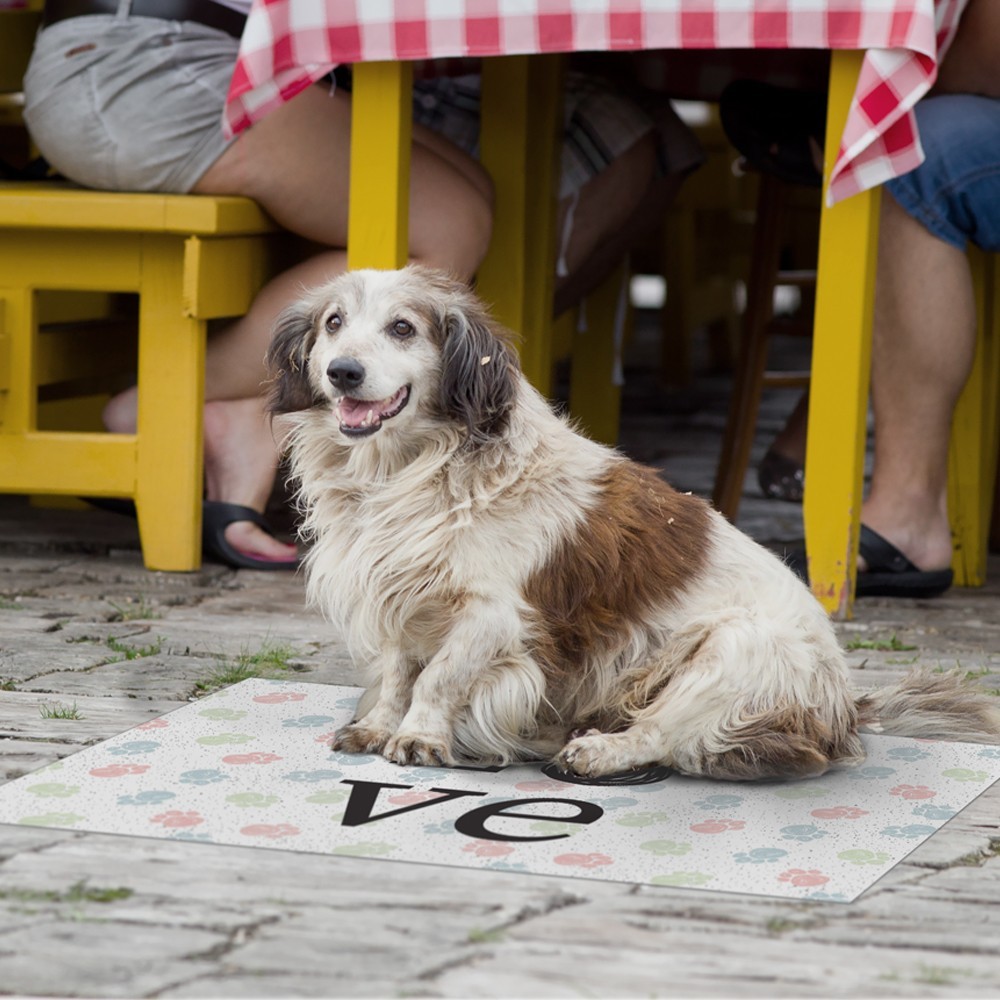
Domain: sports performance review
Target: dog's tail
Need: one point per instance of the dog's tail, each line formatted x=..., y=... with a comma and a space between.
x=932, y=706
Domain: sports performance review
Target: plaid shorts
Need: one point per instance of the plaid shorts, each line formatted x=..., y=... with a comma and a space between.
x=599, y=124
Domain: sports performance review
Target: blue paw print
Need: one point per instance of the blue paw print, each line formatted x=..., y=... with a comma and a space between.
x=990, y=752
x=934, y=810
x=446, y=827
x=719, y=801
x=836, y=897
x=618, y=803
x=352, y=759
x=759, y=855
x=871, y=773
x=347, y=702
x=190, y=835
x=909, y=832
x=135, y=747
x=803, y=832
x=312, y=776
x=907, y=753
x=307, y=721
x=149, y=798
x=205, y=776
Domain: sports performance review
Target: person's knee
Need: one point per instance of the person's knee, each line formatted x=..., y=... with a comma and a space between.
x=458, y=241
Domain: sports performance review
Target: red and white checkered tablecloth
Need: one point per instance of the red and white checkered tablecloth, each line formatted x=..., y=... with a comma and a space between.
x=288, y=44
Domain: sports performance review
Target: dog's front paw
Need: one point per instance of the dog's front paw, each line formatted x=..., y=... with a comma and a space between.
x=595, y=754
x=360, y=738
x=419, y=748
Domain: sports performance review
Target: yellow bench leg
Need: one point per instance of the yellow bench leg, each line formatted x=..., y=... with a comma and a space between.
x=520, y=143
x=595, y=372
x=975, y=435
x=171, y=403
x=841, y=363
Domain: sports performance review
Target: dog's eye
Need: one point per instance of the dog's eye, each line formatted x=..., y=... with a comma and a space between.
x=334, y=322
x=402, y=329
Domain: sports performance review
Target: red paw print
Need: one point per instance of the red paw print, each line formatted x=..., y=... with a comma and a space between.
x=541, y=785
x=584, y=860
x=804, y=876
x=913, y=792
x=326, y=738
x=839, y=812
x=412, y=798
x=251, y=758
x=274, y=831
x=175, y=819
x=119, y=770
x=717, y=825
x=278, y=697
x=488, y=849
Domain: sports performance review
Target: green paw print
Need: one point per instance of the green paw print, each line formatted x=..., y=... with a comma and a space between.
x=51, y=819
x=222, y=713
x=222, y=739
x=965, y=774
x=364, y=849
x=683, y=878
x=862, y=857
x=665, y=847
x=245, y=799
x=801, y=792
x=642, y=819
x=330, y=797
x=53, y=790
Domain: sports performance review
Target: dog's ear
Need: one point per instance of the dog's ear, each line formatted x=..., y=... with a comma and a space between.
x=479, y=373
x=288, y=362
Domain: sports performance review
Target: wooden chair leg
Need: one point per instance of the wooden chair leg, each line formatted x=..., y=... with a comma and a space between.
x=745, y=400
x=975, y=435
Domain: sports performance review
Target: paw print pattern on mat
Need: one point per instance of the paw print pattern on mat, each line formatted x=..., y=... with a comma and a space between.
x=717, y=826
x=913, y=791
x=760, y=856
x=803, y=832
x=118, y=770
x=594, y=860
x=839, y=812
x=803, y=877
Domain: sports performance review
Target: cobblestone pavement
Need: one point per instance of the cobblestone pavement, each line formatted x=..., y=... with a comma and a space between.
x=83, y=625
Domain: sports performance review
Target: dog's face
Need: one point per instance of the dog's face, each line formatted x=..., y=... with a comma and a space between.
x=384, y=349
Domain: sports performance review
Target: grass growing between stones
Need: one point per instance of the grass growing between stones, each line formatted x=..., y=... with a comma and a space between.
x=271, y=660
x=59, y=711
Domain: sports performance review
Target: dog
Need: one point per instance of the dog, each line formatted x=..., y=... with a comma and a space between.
x=516, y=591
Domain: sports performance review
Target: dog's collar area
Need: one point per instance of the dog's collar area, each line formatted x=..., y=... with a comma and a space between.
x=361, y=417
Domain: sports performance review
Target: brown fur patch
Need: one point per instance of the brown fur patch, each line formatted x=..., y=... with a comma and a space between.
x=788, y=742
x=639, y=547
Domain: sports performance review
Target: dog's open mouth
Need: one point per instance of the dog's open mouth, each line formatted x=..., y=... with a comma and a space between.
x=359, y=417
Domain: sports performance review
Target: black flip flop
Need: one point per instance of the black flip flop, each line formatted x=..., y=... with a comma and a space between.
x=889, y=573
x=780, y=477
x=216, y=516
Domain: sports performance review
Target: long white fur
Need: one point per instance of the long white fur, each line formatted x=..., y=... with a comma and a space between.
x=421, y=548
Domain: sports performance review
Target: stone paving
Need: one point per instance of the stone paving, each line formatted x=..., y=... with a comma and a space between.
x=92, y=644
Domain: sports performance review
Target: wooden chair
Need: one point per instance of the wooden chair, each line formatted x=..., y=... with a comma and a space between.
x=751, y=376
x=184, y=260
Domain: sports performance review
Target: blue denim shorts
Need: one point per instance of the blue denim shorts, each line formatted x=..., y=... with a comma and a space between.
x=955, y=192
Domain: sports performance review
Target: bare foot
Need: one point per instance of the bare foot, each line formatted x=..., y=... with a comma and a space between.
x=241, y=459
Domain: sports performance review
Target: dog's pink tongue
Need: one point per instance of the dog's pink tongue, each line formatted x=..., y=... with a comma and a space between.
x=355, y=412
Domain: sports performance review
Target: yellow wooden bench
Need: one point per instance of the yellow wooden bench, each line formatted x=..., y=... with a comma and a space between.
x=188, y=259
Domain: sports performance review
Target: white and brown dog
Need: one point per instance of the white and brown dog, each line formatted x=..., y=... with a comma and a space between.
x=516, y=591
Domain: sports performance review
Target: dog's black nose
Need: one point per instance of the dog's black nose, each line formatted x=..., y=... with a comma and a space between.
x=345, y=373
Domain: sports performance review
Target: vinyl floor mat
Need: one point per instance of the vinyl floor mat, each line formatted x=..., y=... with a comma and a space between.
x=251, y=765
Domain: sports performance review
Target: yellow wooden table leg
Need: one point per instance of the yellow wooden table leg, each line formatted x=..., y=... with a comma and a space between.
x=595, y=384
x=975, y=435
x=381, y=131
x=171, y=404
x=520, y=143
x=841, y=363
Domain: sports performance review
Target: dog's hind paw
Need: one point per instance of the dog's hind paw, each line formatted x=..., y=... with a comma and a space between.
x=359, y=738
x=415, y=748
x=595, y=754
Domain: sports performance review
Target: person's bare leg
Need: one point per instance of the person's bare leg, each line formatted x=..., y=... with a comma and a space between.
x=295, y=163
x=611, y=210
x=923, y=349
